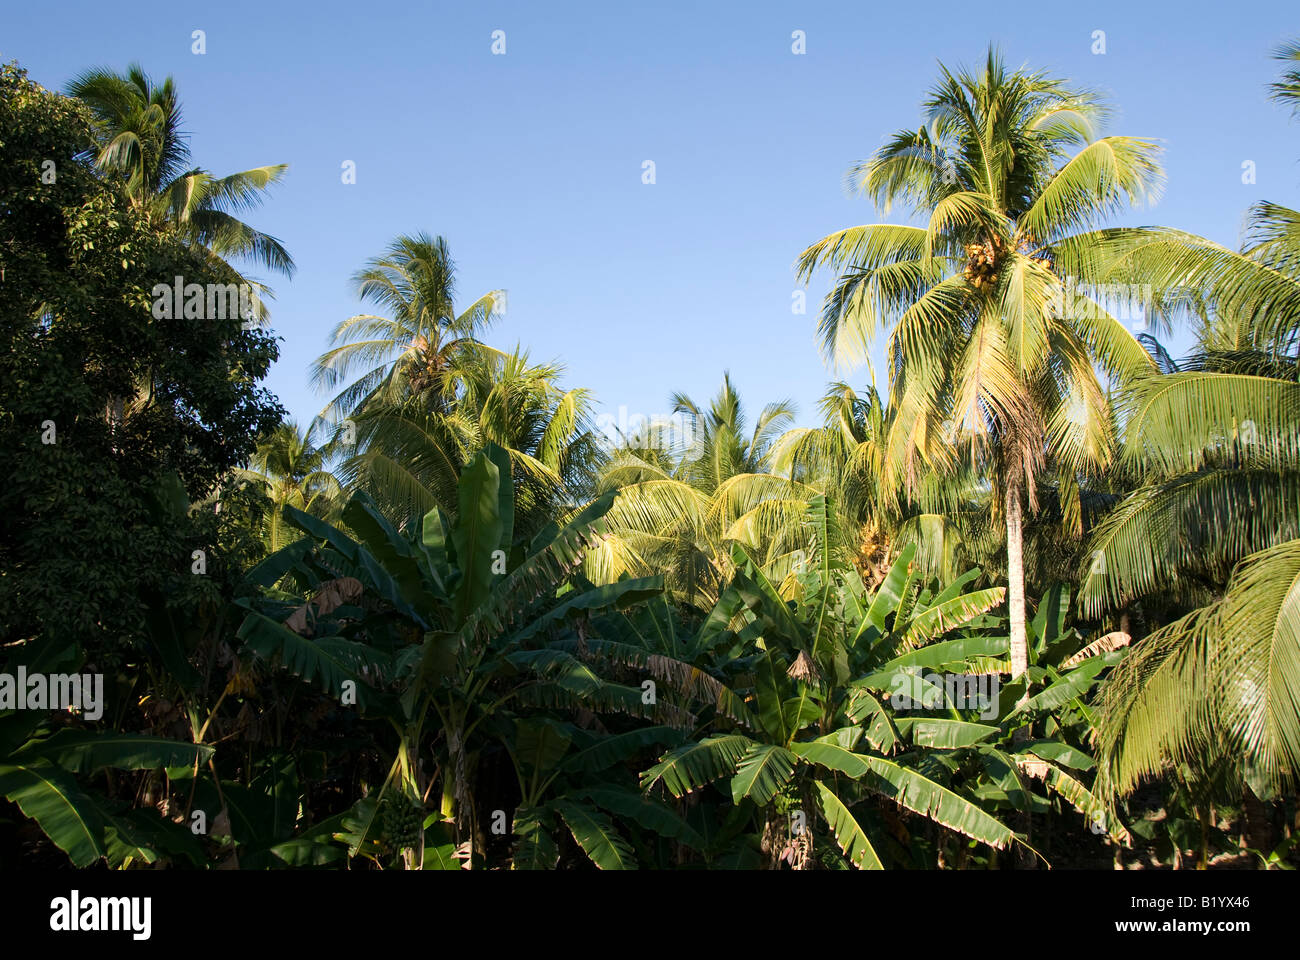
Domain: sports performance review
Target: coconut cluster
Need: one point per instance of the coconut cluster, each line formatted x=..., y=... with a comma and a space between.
x=983, y=259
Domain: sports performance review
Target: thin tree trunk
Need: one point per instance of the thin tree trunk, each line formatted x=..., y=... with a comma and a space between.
x=1203, y=861
x=1258, y=823
x=1016, y=583
x=1025, y=859
x=771, y=842
x=114, y=414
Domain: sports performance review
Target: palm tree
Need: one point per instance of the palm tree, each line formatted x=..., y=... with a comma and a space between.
x=416, y=349
x=137, y=126
x=137, y=130
x=1211, y=439
x=292, y=471
x=1212, y=444
x=683, y=493
x=1217, y=686
x=1287, y=89
x=409, y=455
x=1010, y=177
x=844, y=459
x=719, y=447
x=1215, y=442
x=948, y=515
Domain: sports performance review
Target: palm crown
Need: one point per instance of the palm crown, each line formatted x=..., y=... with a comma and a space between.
x=138, y=130
x=415, y=349
x=993, y=328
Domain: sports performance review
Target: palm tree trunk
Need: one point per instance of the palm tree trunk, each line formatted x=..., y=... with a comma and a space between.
x=114, y=414
x=1259, y=824
x=1025, y=860
x=1203, y=861
x=1016, y=582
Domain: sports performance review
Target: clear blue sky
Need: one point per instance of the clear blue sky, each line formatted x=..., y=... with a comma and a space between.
x=530, y=163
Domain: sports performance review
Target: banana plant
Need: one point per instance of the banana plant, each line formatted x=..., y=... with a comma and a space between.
x=435, y=632
x=814, y=736
x=681, y=667
x=48, y=761
x=571, y=776
x=1016, y=736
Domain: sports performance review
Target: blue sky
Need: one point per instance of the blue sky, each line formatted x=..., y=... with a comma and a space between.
x=530, y=163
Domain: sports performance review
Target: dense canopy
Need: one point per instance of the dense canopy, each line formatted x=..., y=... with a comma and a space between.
x=1033, y=599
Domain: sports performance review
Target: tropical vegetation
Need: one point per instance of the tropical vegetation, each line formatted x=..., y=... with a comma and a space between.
x=1032, y=601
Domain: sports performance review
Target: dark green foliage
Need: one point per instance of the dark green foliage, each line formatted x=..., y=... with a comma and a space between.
x=146, y=415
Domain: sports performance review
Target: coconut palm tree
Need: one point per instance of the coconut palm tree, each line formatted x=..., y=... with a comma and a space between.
x=1287, y=89
x=1215, y=442
x=409, y=455
x=844, y=460
x=137, y=129
x=992, y=325
x=291, y=470
x=416, y=349
x=1213, y=439
x=687, y=489
x=718, y=445
x=137, y=126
